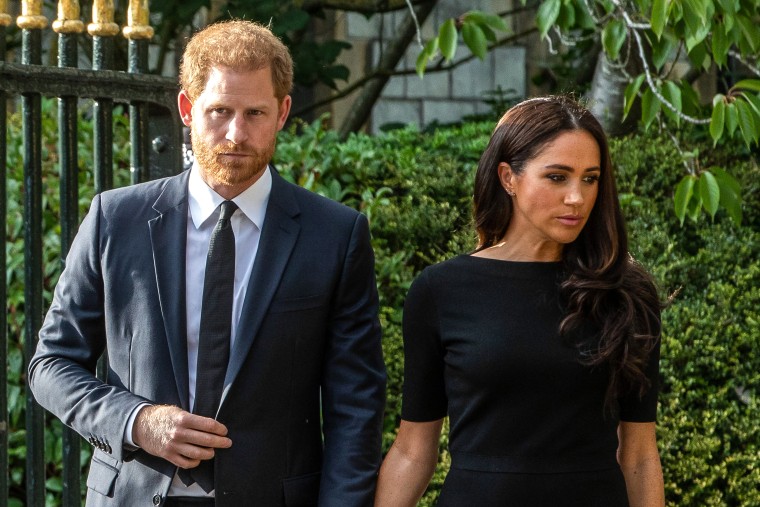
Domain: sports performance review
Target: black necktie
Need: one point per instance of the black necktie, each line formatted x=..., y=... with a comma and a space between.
x=214, y=338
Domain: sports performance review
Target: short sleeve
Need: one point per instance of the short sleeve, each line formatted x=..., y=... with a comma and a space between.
x=424, y=392
x=634, y=408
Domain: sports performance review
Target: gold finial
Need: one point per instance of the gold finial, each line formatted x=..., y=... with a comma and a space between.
x=68, y=17
x=102, y=19
x=5, y=18
x=138, y=26
x=31, y=16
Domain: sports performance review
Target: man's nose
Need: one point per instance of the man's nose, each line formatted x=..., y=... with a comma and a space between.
x=236, y=132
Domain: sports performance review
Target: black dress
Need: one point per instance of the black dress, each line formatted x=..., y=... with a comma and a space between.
x=528, y=426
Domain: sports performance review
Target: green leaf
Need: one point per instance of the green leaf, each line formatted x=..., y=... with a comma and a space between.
x=748, y=84
x=662, y=49
x=699, y=56
x=718, y=118
x=733, y=207
x=754, y=101
x=709, y=191
x=694, y=206
x=746, y=121
x=650, y=106
x=583, y=19
x=425, y=55
x=720, y=45
x=659, y=16
x=613, y=38
x=693, y=16
x=475, y=39
x=749, y=31
x=447, y=39
x=693, y=39
x=631, y=93
x=547, y=15
x=728, y=6
x=490, y=20
x=730, y=194
x=684, y=192
x=728, y=184
x=672, y=93
x=732, y=118
x=566, y=18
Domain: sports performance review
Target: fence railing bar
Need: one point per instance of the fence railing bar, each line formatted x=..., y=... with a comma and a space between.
x=120, y=86
x=4, y=424
x=138, y=114
x=32, y=127
x=102, y=60
x=69, y=212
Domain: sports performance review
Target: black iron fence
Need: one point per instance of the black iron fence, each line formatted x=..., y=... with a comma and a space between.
x=156, y=150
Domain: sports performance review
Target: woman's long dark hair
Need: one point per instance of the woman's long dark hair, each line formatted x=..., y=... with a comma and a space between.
x=605, y=286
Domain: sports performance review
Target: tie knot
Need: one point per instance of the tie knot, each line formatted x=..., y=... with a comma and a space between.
x=226, y=209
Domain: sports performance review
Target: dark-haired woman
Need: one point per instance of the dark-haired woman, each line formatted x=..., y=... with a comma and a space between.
x=542, y=346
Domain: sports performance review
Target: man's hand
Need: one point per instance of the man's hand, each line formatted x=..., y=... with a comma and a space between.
x=178, y=436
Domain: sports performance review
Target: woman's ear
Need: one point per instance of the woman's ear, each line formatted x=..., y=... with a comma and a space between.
x=506, y=177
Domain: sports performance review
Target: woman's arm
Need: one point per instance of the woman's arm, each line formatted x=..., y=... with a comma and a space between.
x=640, y=462
x=409, y=464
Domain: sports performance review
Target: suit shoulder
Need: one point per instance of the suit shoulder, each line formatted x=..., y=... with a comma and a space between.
x=134, y=199
x=314, y=203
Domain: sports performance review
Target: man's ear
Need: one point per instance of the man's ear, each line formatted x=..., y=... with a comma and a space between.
x=284, y=111
x=185, y=106
x=506, y=177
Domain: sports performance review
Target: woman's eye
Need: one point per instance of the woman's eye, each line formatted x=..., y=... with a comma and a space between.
x=556, y=177
x=591, y=179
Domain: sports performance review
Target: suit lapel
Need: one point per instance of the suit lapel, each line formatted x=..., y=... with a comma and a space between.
x=168, y=233
x=276, y=243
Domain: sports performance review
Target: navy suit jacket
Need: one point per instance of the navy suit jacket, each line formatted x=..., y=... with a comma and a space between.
x=305, y=387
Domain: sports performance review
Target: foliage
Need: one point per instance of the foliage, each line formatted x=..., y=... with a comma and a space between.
x=51, y=244
x=314, y=60
x=478, y=29
x=655, y=33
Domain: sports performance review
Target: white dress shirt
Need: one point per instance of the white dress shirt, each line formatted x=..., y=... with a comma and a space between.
x=247, y=222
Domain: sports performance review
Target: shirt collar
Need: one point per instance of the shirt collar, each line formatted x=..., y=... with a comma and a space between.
x=203, y=201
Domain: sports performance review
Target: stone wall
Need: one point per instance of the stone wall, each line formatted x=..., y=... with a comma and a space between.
x=442, y=97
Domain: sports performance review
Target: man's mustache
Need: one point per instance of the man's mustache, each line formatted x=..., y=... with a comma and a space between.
x=234, y=148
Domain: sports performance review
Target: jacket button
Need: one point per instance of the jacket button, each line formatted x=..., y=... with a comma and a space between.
x=156, y=499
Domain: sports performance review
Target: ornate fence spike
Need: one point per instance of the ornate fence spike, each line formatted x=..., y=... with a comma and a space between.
x=68, y=17
x=5, y=18
x=31, y=16
x=102, y=19
x=138, y=22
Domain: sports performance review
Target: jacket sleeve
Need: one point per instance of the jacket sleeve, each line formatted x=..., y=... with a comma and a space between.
x=354, y=379
x=71, y=340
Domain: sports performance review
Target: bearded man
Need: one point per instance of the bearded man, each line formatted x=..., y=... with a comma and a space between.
x=238, y=313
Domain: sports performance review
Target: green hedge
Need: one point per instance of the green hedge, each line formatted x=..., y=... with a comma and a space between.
x=708, y=432
x=416, y=189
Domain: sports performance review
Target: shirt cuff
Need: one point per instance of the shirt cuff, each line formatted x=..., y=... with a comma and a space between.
x=129, y=444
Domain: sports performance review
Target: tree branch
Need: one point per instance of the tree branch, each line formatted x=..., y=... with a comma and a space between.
x=439, y=67
x=362, y=107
